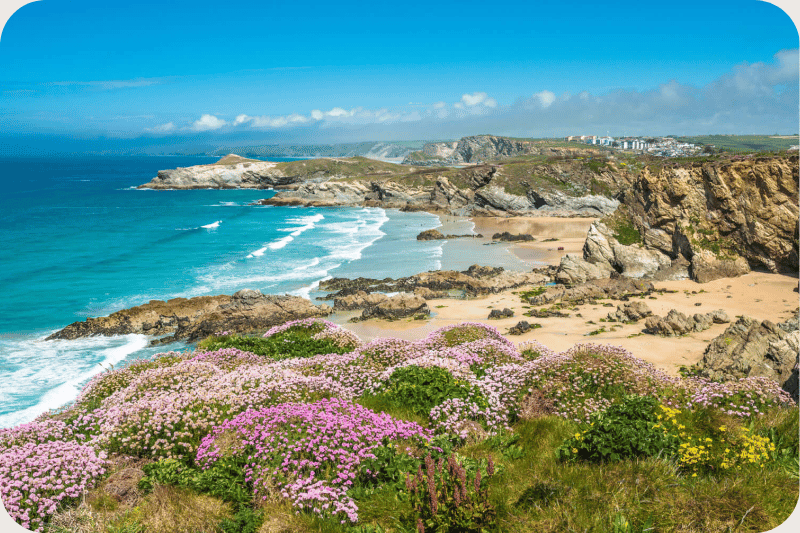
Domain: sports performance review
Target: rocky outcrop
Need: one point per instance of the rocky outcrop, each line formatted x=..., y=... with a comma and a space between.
x=509, y=237
x=630, y=312
x=590, y=204
x=522, y=327
x=707, y=266
x=676, y=323
x=397, y=306
x=634, y=261
x=359, y=300
x=498, y=313
x=474, y=281
x=196, y=318
x=730, y=208
x=751, y=347
x=617, y=288
x=434, y=235
x=230, y=172
x=575, y=270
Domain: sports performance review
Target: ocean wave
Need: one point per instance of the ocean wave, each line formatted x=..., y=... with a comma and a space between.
x=213, y=225
x=59, y=368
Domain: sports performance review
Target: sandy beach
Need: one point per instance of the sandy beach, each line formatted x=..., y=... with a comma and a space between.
x=760, y=295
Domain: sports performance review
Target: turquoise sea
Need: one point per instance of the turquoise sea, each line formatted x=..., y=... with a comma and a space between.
x=79, y=240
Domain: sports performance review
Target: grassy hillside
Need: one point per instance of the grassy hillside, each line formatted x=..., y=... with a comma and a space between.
x=347, y=167
x=308, y=429
x=745, y=143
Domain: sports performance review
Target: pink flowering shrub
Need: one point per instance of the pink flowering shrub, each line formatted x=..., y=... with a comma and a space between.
x=314, y=324
x=309, y=453
x=589, y=378
x=459, y=334
x=744, y=397
x=35, y=478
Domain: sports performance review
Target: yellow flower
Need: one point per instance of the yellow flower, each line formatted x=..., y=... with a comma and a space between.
x=694, y=475
x=574, y=450
x=722, y=428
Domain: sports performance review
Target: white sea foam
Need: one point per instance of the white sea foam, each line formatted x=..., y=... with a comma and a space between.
x=213, y=225
x=258, y=253
x=59, y=368
x=280, y=243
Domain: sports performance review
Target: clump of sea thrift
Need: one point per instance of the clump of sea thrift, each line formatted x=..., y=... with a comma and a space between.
x=36, y=478
x=310, y=453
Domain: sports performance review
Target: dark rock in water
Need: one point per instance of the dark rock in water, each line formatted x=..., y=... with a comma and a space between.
x=497, y=313
x=750, y=347
x=398, y=306
x=430, y=235
x=676, y=323
x=630, y=312
x=522, y=327
x=193, y=319
x=509, y=237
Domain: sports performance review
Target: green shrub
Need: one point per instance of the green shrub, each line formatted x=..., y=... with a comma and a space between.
x=296, y=341
x=539, y=495
x=625, y=430
x=421, y=389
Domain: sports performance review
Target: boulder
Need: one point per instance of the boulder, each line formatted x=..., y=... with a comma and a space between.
x=633, y=261
x=510, y=237
x=750, y=347
x=359, y=300
x=397, y=306
x=430, y=235
x=497, y=313
x=574, y=270
x=706, y=266
x=630, y=312
x=676, y=323
x=522, y=327
x=616, y=288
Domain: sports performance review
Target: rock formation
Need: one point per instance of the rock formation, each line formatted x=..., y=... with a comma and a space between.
x=750, y=347
x=676, y=323
x=630, y=312
x=498, y=313
x=473, y=281
x=617, y=288
x=433, y=235
x=230, y=172
x=196, y=318
x=730, y=209
x=397, y=306
x=508, y=237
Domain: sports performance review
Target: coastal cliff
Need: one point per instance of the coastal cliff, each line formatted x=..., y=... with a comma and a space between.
x=235, y=172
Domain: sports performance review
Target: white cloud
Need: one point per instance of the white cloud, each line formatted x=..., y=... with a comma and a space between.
x=208, y=122
x=546, y=98
x=162, y=128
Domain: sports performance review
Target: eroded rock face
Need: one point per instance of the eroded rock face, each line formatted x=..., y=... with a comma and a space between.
x=747, y=207
x=676, y=323
x=706, y=266
x=750, y=347
x=359, y=300
x=633, y=261
x=575, y=270
x=196, y=318
x=510, y=237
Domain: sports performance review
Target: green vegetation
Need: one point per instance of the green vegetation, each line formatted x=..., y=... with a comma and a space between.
x=745, y=143
x=294, y=342
x=622, y=227
x=346, y=167
x=527, y=295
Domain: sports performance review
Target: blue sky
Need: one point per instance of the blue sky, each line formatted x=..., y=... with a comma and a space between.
x=156, y=73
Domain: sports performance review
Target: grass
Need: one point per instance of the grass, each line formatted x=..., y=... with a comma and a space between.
x=347, y=167
x=622, y=227
x=745, y=143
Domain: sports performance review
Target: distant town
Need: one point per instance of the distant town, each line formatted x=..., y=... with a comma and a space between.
x=659, y=146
